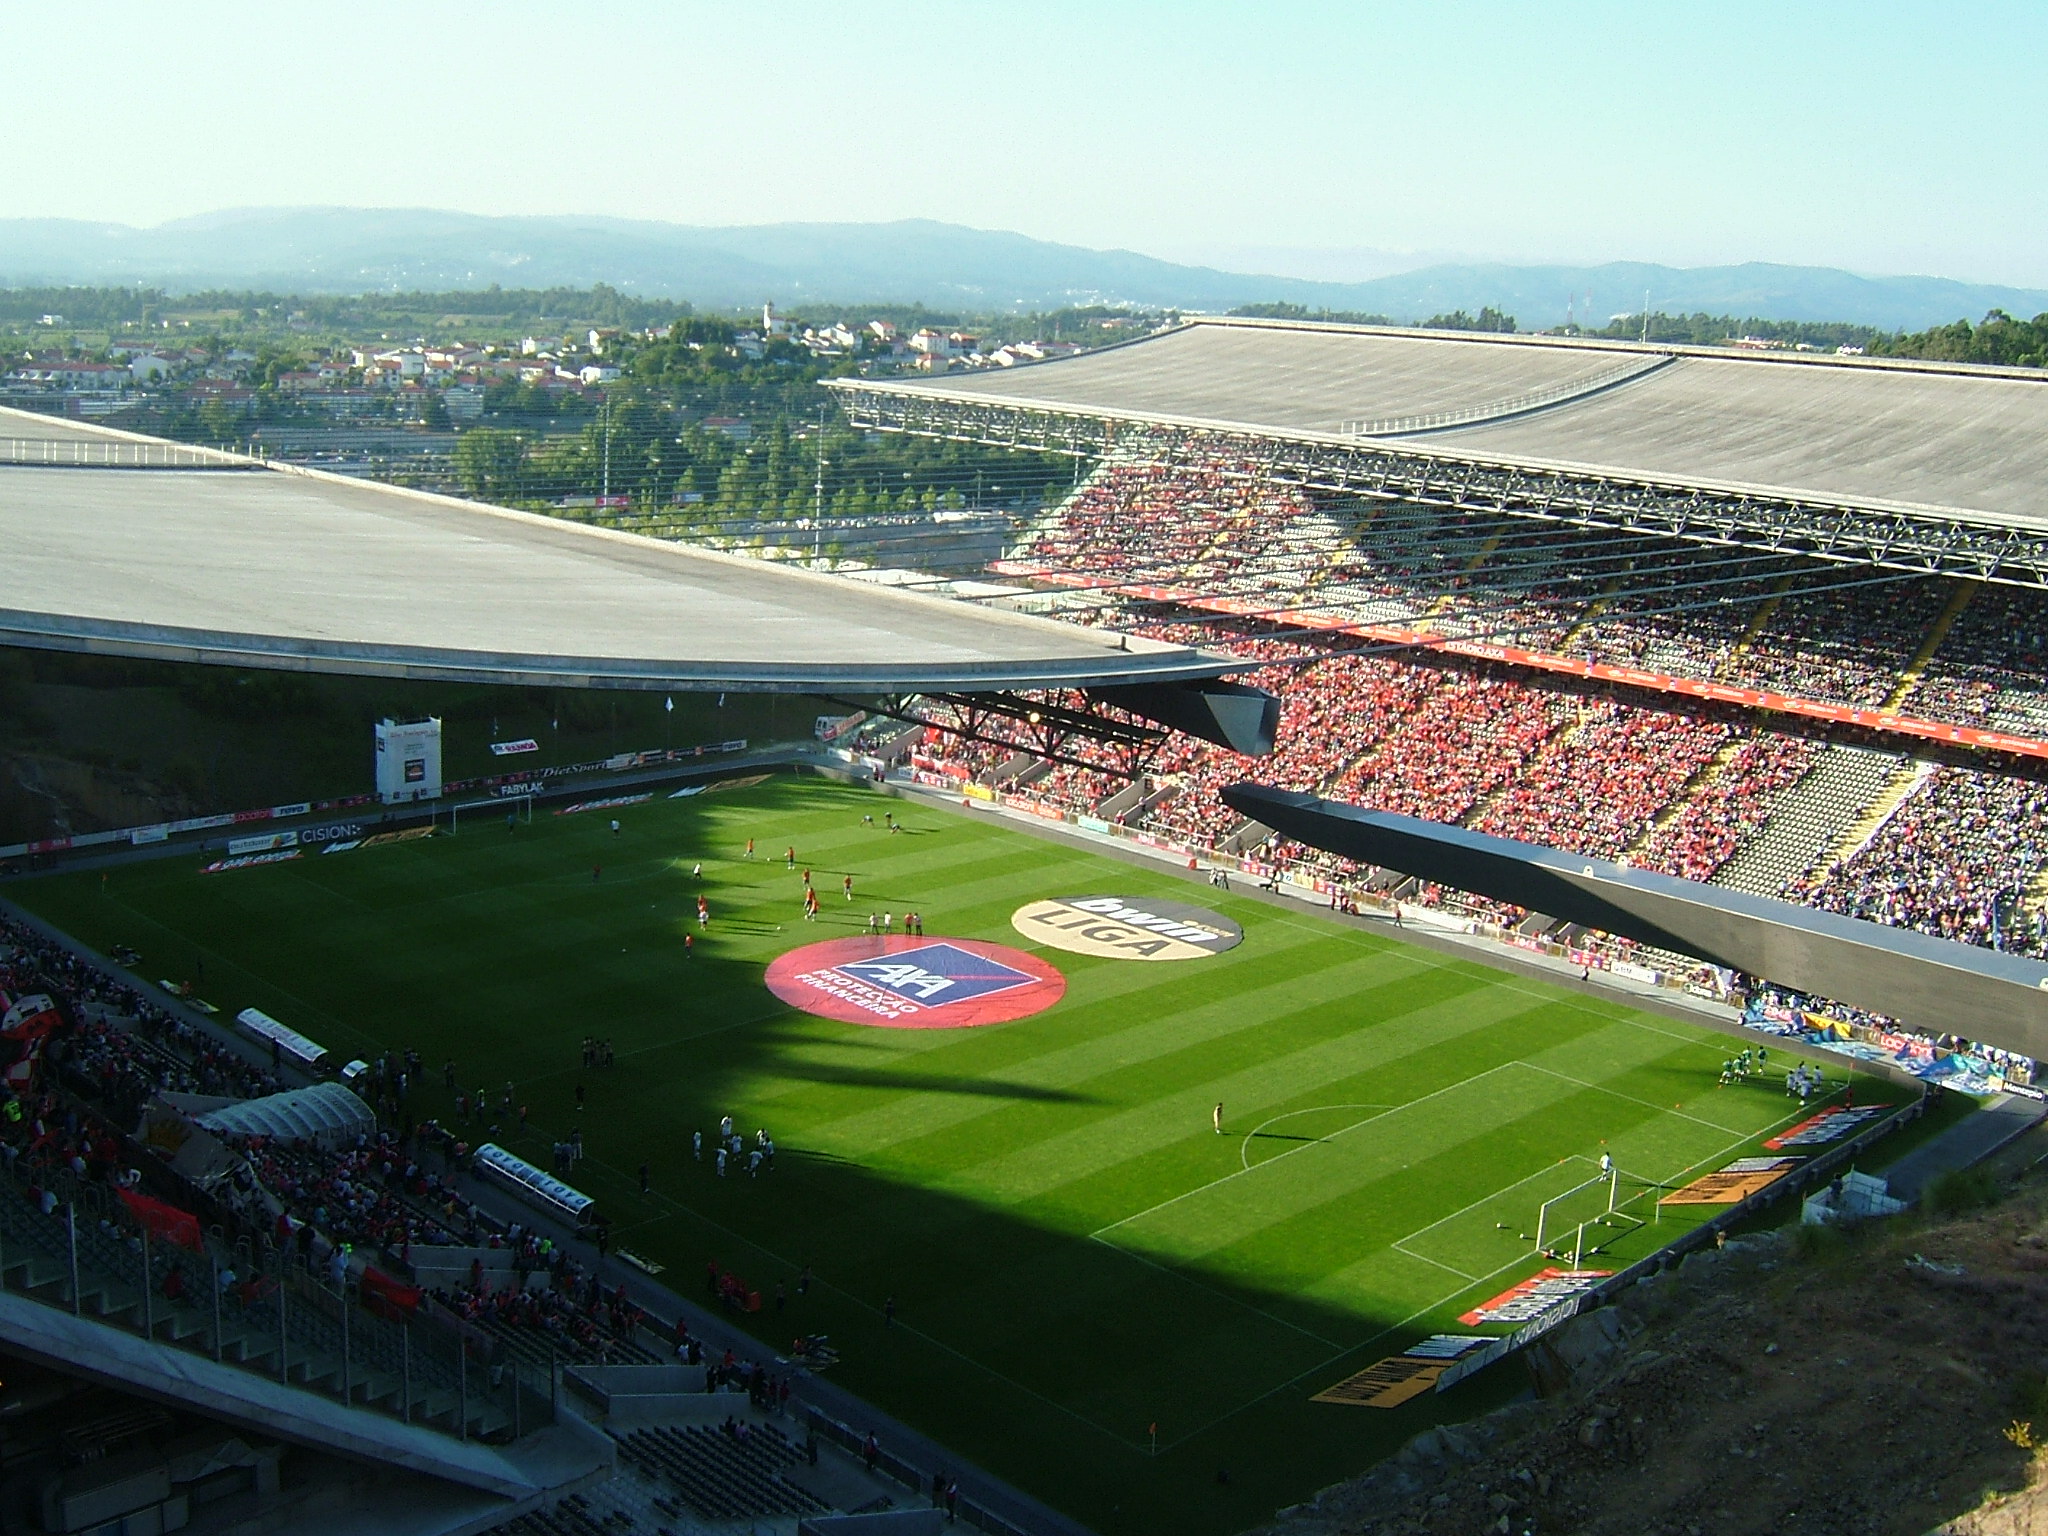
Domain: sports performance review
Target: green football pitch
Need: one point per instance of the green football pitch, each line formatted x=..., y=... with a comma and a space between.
x=1074, y=1253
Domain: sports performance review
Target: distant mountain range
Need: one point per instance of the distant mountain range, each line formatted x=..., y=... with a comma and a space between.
x=945, y=266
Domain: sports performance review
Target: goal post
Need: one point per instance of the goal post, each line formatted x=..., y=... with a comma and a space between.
x=520, y=806
x=1562, y=1220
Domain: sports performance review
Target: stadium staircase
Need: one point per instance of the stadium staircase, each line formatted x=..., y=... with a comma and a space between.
x=1903, y=785
x=1442, y=605
x=1595, y=611
x=1016, y=766
x=1755, y=627
x=1961, y=591
x=1808, y=819
x=717, y=1476
x=1133, y=797
x=1246, y=836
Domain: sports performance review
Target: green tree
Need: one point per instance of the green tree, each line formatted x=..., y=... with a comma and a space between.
x=1488, y=319
x=489, y=462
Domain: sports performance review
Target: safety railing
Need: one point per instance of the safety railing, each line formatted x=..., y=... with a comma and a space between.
x=114, y=453
x=1392, y=426
x=65, y=1242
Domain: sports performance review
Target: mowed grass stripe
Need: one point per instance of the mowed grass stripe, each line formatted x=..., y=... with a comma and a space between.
x=1380, y=1086
x=1095, y=1046
x=1257, y=1080
x=963, y=1172
x=1481, y=1109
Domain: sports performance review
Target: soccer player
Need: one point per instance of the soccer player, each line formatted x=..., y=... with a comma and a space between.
x=789, y=856
x=1216, y=1117
x=846, y=885
x=887, y=919
x=697, y=1145
x=750, y=847
x=703, y=913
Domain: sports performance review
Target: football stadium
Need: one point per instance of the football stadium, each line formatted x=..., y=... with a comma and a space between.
x=971, y=1112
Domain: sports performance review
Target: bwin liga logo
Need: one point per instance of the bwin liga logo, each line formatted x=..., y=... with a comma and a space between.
x=1127, y=927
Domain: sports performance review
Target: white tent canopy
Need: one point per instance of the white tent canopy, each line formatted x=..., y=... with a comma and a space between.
x=326, y=1114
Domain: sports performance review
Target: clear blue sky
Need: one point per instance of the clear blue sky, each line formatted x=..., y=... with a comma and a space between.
x=1881, y=137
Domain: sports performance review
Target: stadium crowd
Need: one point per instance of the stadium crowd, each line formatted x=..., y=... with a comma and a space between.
x=1594, y=787
x=1716, y=820
x=1958, y=859
x=1847, y=646
x=1992, y=666
x=1464, y=739
x=1451, y=740
x=329, y=1211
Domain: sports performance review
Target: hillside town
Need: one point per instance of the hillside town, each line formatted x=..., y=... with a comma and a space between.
x=448, y=382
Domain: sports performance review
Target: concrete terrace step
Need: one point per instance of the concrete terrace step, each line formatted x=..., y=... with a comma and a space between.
x=1808, y=818
x=1903, y=785
x=1959, y=597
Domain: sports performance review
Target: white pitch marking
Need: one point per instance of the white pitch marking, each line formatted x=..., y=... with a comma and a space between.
x=1271, y=1161
x=1245, y=1149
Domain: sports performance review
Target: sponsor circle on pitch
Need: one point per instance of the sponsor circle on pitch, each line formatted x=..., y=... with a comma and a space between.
x=1127, y=927
x=902, y=982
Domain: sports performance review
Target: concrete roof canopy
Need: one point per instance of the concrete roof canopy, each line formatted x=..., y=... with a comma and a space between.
x=306, y=570
x=1953, y=441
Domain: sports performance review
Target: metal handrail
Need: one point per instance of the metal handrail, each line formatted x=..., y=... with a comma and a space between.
x=114, y=453
x=109, y=1260
x=1515, y=405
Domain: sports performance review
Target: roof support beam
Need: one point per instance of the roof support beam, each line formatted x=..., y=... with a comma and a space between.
x=1929, y=983
x=1895, y=539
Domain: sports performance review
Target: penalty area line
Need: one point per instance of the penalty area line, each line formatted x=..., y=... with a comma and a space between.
x=1292, y=1151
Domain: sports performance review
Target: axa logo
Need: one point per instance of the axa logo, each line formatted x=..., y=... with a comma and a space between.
x=934, y=974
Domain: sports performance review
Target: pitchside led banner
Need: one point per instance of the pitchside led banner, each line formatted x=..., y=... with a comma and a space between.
x=408, y=761
x=1127, y=927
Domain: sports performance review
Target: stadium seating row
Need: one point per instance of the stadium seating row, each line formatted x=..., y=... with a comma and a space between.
x=1709, y=795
